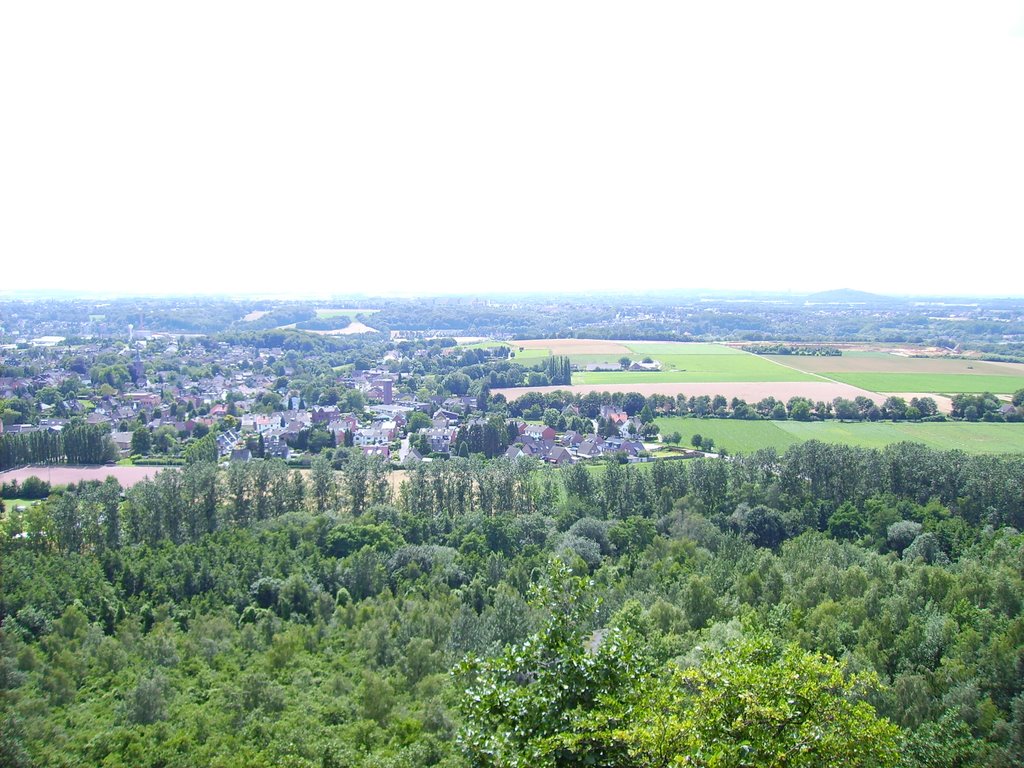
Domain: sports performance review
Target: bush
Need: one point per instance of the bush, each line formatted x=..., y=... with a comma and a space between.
x=34, y=488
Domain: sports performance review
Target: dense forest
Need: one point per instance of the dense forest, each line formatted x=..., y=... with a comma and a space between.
x=825, y=606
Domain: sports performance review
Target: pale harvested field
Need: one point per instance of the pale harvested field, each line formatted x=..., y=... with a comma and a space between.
x=945, y=404
x=575, y=346
x=255, y=315
x=751, y=391
x=354, y=327
x=395, y=478
x=889, y=363
x=61, y=475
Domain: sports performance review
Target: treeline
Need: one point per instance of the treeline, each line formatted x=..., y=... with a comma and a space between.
x=969, y=407
x=307, y=343
x=804, y=350
x=81, y=444
x=987, y=407
x=812, y=486
x=477, y=370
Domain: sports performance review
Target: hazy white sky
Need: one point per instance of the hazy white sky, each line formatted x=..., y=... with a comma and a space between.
x=473, y=146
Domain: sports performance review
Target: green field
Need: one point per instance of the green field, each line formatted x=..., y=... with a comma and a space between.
x=701, y=363
x=745, y=436
x=681, y=362
x=937, y=383
x=531, y=355
x=699, y=368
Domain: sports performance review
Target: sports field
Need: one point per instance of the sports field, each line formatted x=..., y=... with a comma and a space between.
x=745, y=436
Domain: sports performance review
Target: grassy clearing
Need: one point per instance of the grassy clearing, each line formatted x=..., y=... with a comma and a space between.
x=746, y=436
x=15, y=503
x=939, y=383
x=12, y=504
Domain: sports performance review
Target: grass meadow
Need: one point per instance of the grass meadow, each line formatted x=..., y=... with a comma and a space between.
x=744, y=436
x=938, y=383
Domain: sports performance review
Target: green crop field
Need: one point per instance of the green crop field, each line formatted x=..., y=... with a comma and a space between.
x=681, y=362
x=532, y=355
x=938, y=383
x=702, y=363
x=745, y=436
x=699, y=368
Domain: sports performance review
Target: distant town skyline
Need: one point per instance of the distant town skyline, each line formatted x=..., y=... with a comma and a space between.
x=416, y=149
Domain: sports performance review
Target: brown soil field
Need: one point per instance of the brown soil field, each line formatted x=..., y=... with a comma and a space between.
x=1016, y=368
x=895, y=364
x=751, y=391
x=61, y=475
x=575, y=346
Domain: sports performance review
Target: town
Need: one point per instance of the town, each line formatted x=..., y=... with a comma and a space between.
x=160, y=394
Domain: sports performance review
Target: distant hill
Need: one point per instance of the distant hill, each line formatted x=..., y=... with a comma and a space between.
x=850, y=296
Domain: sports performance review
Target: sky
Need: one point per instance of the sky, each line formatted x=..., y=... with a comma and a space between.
x=477, y=147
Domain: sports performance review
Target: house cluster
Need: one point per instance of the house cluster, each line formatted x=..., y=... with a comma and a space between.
x=227, y=389
x=544, y=443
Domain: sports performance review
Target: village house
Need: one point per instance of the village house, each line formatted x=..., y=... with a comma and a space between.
x=540, y=432
x=440, y=439
x=383, y=451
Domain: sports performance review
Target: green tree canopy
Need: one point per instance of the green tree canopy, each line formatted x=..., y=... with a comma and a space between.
x=572, y=696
